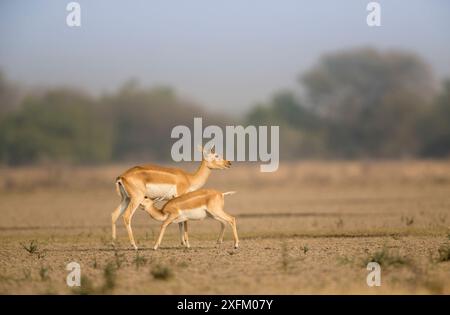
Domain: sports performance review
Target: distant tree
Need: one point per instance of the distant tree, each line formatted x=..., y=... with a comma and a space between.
x=60, y=125
x=9, y=96
x=434, y=127
x=300, y=129
x=143, y=120
x=358, y=103
x=371, y=100
x=68, y=125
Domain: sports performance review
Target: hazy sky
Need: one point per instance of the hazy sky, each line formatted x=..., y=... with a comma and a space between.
x=223, y=54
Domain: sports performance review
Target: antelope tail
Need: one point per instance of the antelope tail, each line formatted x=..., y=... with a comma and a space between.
x=120, y=189
x=228, y=193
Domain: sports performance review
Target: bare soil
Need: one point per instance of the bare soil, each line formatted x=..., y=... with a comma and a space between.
x=311, y=227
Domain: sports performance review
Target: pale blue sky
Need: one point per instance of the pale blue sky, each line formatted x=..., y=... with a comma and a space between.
x=225, y=55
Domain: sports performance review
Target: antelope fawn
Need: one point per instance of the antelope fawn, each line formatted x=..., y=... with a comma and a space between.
x=159, y=183
x=195, y=205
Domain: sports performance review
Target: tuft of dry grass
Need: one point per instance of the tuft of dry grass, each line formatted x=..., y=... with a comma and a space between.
x=31, y=248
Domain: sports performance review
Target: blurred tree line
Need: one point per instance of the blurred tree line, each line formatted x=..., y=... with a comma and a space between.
x=70, y=126
x=355, y=104
x=363, y=104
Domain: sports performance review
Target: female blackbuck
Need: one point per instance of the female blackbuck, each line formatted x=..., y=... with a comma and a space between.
x=195, y=205
x=159, y=183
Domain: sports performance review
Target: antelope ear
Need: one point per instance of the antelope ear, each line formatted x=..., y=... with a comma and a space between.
x=200, y=148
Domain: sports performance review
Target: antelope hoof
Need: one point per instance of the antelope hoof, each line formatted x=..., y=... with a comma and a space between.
x=135, y=247
x=236, y=246
x=155, y=247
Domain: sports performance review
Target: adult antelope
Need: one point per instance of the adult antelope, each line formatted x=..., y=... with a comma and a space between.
x=195, y=205
x=159, y=183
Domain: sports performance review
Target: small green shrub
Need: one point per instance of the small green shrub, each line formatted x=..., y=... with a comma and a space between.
x=161, y=272
x=110, y=276
x=444, y=253
x=139, y=261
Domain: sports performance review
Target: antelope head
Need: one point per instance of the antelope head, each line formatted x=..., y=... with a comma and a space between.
x=214, y=160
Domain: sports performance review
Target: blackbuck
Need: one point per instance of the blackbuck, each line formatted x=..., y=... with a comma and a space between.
x=196, y=205
x=159, y=183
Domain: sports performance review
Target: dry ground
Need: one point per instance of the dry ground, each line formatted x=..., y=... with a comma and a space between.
x=309, y=228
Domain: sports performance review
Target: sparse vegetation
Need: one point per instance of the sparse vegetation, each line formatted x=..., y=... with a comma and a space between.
x=444, y=253
x=31, y=248
x=118, y=259
x=86, y=287
x=109, y=276
x=44, y=273
x=305, y=249
x=139, y=261
x=386, y=257
x=161, y=272
x=109, y=282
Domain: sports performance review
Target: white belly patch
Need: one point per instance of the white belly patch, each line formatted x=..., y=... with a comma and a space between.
x=191, y=214
x=165, y=191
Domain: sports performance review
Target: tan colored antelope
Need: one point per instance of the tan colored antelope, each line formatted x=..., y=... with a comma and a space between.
x=159, y=183
x=195, y=205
